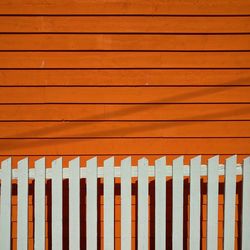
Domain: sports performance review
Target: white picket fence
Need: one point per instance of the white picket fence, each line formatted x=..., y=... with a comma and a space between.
x=108, y=172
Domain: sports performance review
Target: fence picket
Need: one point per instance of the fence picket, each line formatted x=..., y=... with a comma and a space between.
x=40, y=204
x=57, y=204
x=195, y=192
x=22, y=204
x=246, y=205
x=109, y=204
x=91, y=175
x=229, y=206
x=142, y=204
x=177, y=190
x=160, y=204
x=126, y=204
x=212, y=203
x=74, y=204
x=125, y=172
x=5, y=213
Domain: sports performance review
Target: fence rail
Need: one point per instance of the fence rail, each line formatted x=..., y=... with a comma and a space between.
x=91, y=172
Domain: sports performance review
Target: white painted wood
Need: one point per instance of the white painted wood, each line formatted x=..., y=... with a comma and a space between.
x=246, y=205
x=229, y=203
x=57, y=204
x=74, y=204
x=212, y=203
x=195, y=197
x=177, y=190
x=91, y=175
x=40, y=204
x=109, y=204
x=160, y=204
x=134, y=172
x=22, y=204
x=142, y=204
x=5, y=212
x=126, y=204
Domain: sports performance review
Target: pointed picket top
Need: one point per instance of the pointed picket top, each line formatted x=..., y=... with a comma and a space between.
x=75, y=161
x=110, y=161
x=40, y=161
x=231, y=160
x=23, y=161
x=143, y=161
x=6, y=163
x=92, y=161
x=57, y=162
x=179, y=160
x=196, y=160
x=214, y=159
x=161, y=161
x=126, y=161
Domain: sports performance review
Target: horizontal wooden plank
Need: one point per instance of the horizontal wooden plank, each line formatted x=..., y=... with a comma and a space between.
x=123, y=42
x=229, y=94
x=125, y=24
x=116, y=112
x=117, y=228
x=172, y=7
x=133, y=211
x=124, y=59
x=123, y=77
x=123, y=129
x=124, y=146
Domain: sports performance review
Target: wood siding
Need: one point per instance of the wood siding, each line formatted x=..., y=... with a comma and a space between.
x=124, y=78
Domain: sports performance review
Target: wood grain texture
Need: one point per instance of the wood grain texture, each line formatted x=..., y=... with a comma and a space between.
x=124, y=60
x=125, y=24
x=123, y=77
x=124, y=146
x=232, y=94
x=124, y=129
x=122, y=112
x=172, y=7
x=123, y=42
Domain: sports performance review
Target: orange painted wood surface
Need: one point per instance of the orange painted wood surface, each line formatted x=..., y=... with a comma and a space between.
x=134, y=42
x=125, y=112
x=125, y=95
x=124, y=77
x=119, y=60
x=144, y=78
x=128, y=7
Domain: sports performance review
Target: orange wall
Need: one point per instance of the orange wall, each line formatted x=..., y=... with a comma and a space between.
x=124, y=78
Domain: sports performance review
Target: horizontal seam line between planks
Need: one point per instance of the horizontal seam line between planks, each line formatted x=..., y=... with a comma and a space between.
x=125, y=86
x=118, y=69
x=125, y=51
x=121, y=121
x=129, y=68
x=111, y=104
x=117, y=103
x=129, y=15
x=124, y=33
x=123, y=137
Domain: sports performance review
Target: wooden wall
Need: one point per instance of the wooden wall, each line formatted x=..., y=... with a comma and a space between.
x=142, y=78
